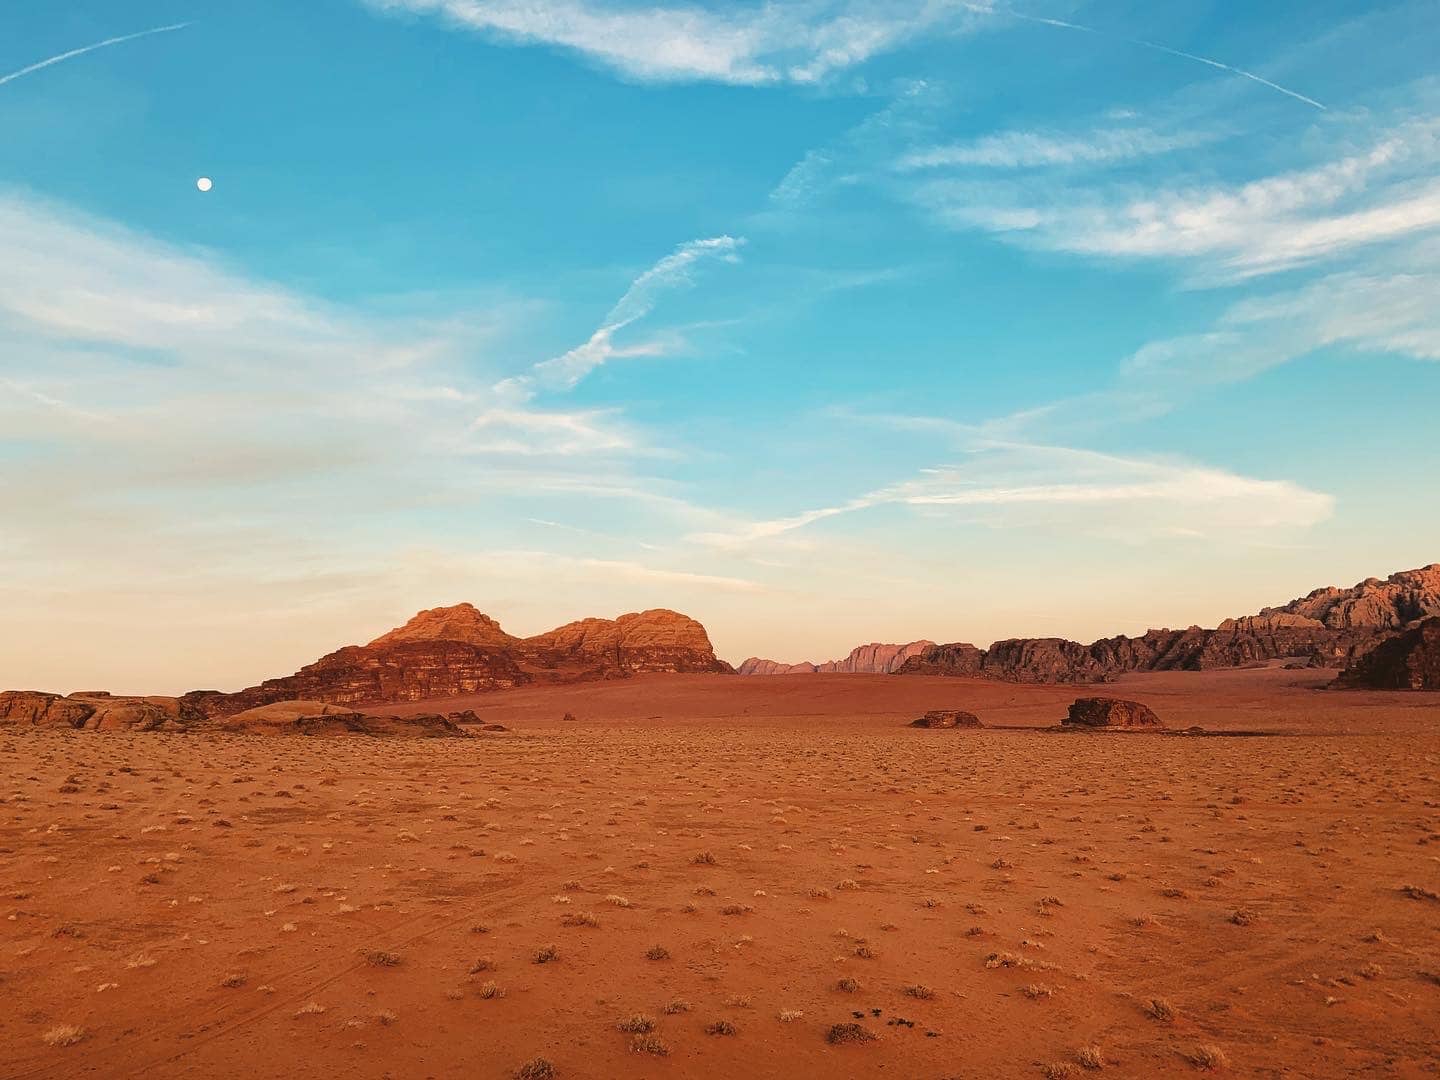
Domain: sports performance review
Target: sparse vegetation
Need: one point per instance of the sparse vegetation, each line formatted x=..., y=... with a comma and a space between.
x=1207, y=1057
x=849, y=1033
x=1161, y=1010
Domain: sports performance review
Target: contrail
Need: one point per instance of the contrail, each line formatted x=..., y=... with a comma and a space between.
x=988, y=10
x=88, y=48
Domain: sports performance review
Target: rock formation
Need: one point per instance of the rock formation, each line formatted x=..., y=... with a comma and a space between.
x=1104, y=712
x=446, y=652
x=872, y=659
x=947, y=718
x=1328, y=628
x=1408, y=661
x=92, y=710
x=317, y=718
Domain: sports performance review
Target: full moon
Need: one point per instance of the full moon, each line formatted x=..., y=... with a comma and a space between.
x=204, y=183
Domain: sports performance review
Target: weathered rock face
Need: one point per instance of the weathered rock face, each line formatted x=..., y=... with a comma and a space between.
x=1103, y=712
x=1408, y=661
x=32, y=708
x=872, y=659
x=461, y=623
x=657, y=640
x=1329, y=628
x=418, y=661
x=947, y=718
x=94, y=710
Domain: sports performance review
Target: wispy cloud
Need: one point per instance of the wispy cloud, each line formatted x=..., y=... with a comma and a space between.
x=1128, y=498
x=737, y=43
x=1038, y=149
x=1231, y=232
x=672, y=272
x=60, y=58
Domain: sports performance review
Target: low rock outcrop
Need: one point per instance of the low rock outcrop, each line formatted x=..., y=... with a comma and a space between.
x=1104, y=712
x=1408, y=661
x=947, y=718
x=317, y=718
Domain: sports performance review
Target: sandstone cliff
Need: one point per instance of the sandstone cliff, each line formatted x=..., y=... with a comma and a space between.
x=872, y=659
x=1329, y=627
x=446, y=652
x=93, y=710
x=1408, y=661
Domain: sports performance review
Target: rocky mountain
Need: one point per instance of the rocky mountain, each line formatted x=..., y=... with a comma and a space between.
x=446, y=652
x=1408, y=661
x=873, y=659
x=1329, y=627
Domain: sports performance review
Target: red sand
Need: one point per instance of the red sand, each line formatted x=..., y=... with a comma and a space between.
x=1253, y=884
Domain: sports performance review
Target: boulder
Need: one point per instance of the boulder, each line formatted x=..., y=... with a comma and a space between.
x=1104, y=712
x=947, y=718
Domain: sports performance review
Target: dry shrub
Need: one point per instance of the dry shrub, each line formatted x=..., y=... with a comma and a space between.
x=1208, y=1057
x=849, y=1033
x=720, y=1027
x=536, y=1069
x=1090, y=1057
x=1160, y=1009
x=648, y=1044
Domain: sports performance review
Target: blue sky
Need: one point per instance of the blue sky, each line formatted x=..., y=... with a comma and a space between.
x=823, y=321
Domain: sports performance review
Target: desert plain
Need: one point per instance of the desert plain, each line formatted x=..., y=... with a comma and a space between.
x=704, y=876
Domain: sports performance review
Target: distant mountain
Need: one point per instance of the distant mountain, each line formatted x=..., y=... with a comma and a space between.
x=449, y=651
x=872, y=659
x=1329, y=627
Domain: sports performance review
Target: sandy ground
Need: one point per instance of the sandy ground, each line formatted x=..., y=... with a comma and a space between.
x=778, y=854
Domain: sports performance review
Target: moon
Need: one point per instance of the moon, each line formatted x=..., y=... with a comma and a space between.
x=204, y=183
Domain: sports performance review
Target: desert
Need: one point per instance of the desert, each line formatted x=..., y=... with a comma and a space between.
x=709, y=875
x=719, y=540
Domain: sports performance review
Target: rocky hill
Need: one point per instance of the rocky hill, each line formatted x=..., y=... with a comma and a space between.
x=445, y=652
x=872, y=659
x=1408, y=661
x=1329, y=627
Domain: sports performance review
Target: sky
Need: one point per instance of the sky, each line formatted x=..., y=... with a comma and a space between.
x=825, y=322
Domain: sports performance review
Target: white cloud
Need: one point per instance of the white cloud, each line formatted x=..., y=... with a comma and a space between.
x=1231, y=232
x=1051, y=487
x=1036, y=149
x=739, y=43
x=674, y=271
